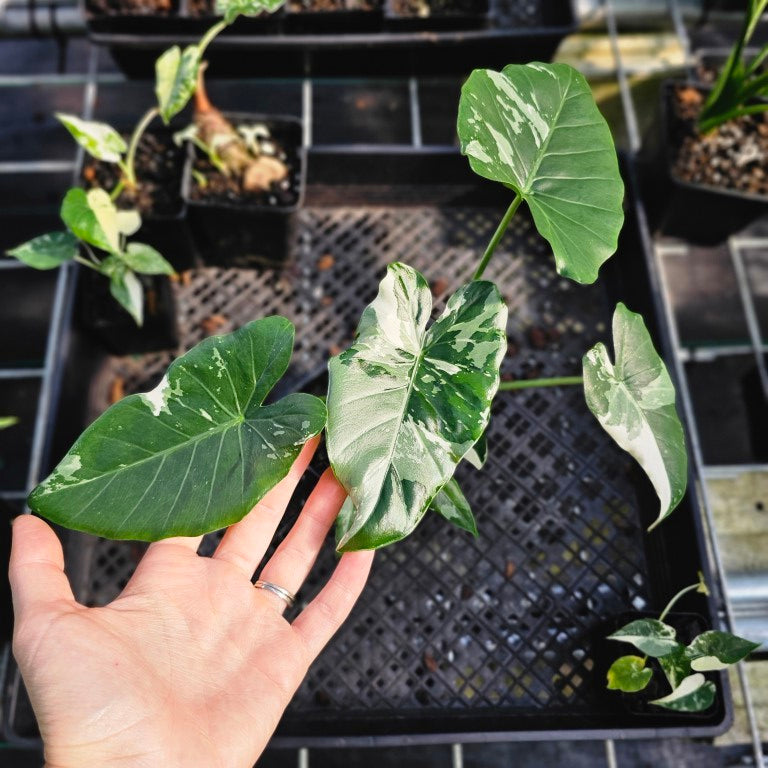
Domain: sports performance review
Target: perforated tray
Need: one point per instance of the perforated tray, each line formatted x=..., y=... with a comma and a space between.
x=455, y=637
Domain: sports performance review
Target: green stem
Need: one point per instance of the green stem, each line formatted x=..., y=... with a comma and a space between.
x=497, y=235
x=558, y=381
x=137, y=134
x=86, y=263
x=206, y=39
x=672, y=602
x=119, y=187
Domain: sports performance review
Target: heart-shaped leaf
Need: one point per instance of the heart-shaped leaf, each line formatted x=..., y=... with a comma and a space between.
x=536, y=128
x=651, y=636
x=629, y=674
x=100, y=140
x=694, y=694
x=231, y=9
x=128, y=291
x=451, y=503
x=405, y=404
x=92, y=217
x=176, y=79
x=634, y=401
x=47, y=251
x=194, y=454
x=675, y=666
x=716, y=650
x=144, y=259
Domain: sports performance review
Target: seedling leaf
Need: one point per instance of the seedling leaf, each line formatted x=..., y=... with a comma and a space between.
x=128, y=291
x=405, y=404
x=650, y=636
x=231, y=9
x=91, y=216
x=694, y=694
x=629, y=674
x=634, y=401
x=451, y=503
x=194, y=454
x=716, y=650
x=144, y=259
x=175, y=79
x=100, y=140
x=675, y=666
x=47, y=251
x=536, y=128
x=128, y=222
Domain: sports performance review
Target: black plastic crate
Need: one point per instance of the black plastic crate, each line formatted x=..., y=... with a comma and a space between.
x=512, y=31
x=454, y=639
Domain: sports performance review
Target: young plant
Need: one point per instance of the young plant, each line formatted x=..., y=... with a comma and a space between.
x=682, y=665
x=91, y=218
x=406, y=402
x=8, y=421
x=740, y=82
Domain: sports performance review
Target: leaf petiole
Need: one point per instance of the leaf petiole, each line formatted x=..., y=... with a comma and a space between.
x=557, y=381
x=497, y=235
x=130, y=157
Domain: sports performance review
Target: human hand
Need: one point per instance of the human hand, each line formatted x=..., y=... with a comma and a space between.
x=190, y=665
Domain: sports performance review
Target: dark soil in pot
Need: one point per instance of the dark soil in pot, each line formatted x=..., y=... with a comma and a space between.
x=324, y=6
x=333, y=16
x=132, y=7
x=234, y=227
x=428, y=8
x=158, y=198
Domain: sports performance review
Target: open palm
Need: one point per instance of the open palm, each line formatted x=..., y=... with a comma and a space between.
x=190, y=665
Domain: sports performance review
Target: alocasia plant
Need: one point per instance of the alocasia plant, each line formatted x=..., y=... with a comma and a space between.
x=682, y=665
x=176, y=77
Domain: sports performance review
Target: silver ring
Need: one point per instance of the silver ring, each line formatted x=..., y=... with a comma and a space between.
x=283, y=594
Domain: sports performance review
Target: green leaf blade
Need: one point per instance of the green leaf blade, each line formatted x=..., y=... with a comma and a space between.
x=451, y=503
x=99, y=140
x=145, y=260
x=651, y=636
x=629, y=674
x=536, y=128
x=715, y=650
x=231, y=9
x=128, y=291
x=429, y=391
x=194, y=454
x=634, y=401
x=676, y=666
x=92, y=217
x=47, y=251
x=176, y=79
x=694, y=694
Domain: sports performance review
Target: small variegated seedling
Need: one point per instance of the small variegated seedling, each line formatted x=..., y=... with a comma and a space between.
x=102, y=226
x=683, y=665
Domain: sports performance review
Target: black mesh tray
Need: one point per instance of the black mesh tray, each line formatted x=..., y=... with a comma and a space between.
x=454, y=638
x=513, y=31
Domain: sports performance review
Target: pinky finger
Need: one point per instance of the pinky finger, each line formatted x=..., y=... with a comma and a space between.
x=318, y=622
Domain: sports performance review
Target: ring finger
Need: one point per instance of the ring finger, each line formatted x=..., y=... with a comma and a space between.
x=293, y=559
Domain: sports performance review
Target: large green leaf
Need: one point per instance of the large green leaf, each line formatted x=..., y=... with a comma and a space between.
x=694, y=694
x=634, y=401
x=98, y=139
x=716, y=650
x=451, y=503
x=651, y=636
x=176, y=79
x=629, y=674
x=194, y=454
x=47, y=251
x=536, y=128
x=406, y=404
x=92, y=217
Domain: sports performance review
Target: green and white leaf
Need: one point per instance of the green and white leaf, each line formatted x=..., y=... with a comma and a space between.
x=715, y=650
x=144, y=259
x=176, y=79
x=451, y=503
x=100, y=140
x=478, y=453
x=47, y=251
x=193, y=455
x=92, y=217
x=650, y=636
x=675, y=666
x=231, y=9
x=128, y=291
x=629, y=674
x=128, y=222
x=406, y=404
x=634, y=401
x=8, y=421
x=536, y=129
x=694, y=694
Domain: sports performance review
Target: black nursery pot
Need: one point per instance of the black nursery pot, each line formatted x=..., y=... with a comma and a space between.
x=103, y=319
x=339, y=22
x=698, y=213
x=249, y=233
x=448, y=15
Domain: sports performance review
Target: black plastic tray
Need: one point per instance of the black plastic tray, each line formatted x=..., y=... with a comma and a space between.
x=513, y=31
x=454, y=639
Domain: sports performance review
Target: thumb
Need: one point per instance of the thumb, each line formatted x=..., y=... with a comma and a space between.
x=36, y=569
